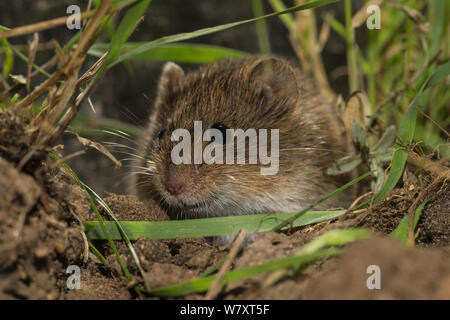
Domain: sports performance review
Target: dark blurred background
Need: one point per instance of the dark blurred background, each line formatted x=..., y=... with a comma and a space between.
x=121, y=92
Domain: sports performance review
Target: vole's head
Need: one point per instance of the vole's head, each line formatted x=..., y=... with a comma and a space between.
x=249, y=94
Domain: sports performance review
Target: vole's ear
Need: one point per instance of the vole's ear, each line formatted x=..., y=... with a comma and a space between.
x=276, y=77
x=171, y=77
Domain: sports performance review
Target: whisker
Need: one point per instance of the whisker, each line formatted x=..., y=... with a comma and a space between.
x=128, y=159
x=139, y=167
x=122, y=179
x=142, y=184
x=121, y=134
x=129, y=154
x=131, y=116
x=146, y=97
x=319, y=149
x=119, y=145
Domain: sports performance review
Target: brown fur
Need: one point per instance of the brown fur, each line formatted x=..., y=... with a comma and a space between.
x=242, y=94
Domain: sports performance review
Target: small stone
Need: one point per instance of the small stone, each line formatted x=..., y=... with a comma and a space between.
x=41, y=252
x=60, y=247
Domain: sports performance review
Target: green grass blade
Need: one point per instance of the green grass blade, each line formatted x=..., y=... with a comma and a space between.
x=103, y=127
x=9, y=58
x=97, y=213
x=261, y=27
x=401, y=232
x=406, y=133
x=190, y=35
x=203, y=227
x=203, y=284
x=310, y=253
x=287, y=19
x=212, y=270
x=126, y=27
x=111, y=31
x=117, y=224
x=336, y=238
x=438, y=9
x=385, y=141
x=335, y=25
x=328, y=196
x=180, y=52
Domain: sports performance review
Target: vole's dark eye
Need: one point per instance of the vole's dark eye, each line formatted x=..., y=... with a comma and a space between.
x=222, y=129
x=161, y=134
x=158, y=137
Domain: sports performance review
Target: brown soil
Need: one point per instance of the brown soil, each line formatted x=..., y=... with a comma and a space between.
x=41, y=215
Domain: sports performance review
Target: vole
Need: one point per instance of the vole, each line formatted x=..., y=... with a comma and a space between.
x=259, y=92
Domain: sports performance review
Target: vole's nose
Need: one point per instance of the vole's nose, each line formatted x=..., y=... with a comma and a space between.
x=175, y=188
x=177, y=180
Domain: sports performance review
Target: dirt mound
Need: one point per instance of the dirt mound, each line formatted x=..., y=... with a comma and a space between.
x=40, y=235
x=405, y=273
